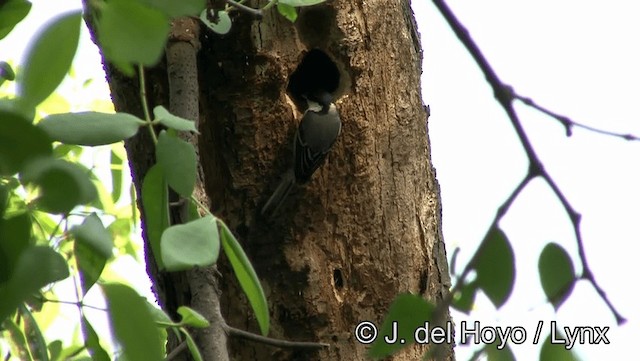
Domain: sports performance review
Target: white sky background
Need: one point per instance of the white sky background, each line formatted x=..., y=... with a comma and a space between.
x=577, y=58
x=580, y=59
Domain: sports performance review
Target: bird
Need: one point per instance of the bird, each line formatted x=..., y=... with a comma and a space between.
x=317, y=132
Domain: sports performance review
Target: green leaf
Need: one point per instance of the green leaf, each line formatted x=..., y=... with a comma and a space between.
x=191, y=317
x=554, y=351
x=49, y=58
x=50, y=267
x=171, y=121
x=37, y=344
x=132, y=323
x=11, y=13
x=246, y=276
x=55, y=349
x=68, y=151
x=63, y=185
x=90, y=264
x=4, y=199
x=464, y=298
x=92, y=233
x=156, y=209
x=92, y=342
x=494, y=354
x=193, y=348
x=300, y=3
x=132, y=33
x=195, y=243
x=174, y=8
x=15, y=234
x=288, y=11
x=116, y=176
x=20, y=142
x=90, y=128
x=557, y=274
x=93, y=247
x=495, y=266
x=406, y=314
x=159, y=316
x=6, y=72
x=17, y=339
x=220, y=22
x=178, y=161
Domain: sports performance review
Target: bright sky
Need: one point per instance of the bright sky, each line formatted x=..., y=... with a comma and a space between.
x=574, y=57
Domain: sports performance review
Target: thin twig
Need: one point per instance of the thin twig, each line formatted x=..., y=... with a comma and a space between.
x=176, y=351
x=72, y=303
x=249, y=10
x=505, y=96
x=234, y=332
x=145, y=106
x=569, y=124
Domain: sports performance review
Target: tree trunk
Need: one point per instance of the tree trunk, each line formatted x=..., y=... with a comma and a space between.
x=367, y=225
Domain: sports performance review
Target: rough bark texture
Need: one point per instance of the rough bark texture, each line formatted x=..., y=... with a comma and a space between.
x=366, y=227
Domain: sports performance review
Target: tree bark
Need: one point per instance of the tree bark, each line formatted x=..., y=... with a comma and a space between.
x=366, y=227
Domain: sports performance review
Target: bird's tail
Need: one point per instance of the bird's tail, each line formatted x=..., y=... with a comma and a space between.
x=280, y=194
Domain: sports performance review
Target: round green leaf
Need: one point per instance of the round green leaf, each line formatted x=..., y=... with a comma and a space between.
x=407, y=312
x=495, y=266
x=132, y=33
x=191, y=244
x=49, y=59
x=63, y=185
x=557, y=274
x=220, y=22
x=132, y=324
x=90, y=128
x=92, y=233
x=246, y=275
x=178, y=161
x=20, y=142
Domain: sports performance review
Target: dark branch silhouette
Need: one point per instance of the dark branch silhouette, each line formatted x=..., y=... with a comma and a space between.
x=505, y=95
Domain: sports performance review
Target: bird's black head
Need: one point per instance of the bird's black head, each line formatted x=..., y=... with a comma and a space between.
x=315, y=79
x=323, y=98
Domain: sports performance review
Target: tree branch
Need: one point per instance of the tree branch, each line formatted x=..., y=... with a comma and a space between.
x=505, y=96
x=235, y=332
x=176, y=351
x=569, y=124
x=257, y=13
